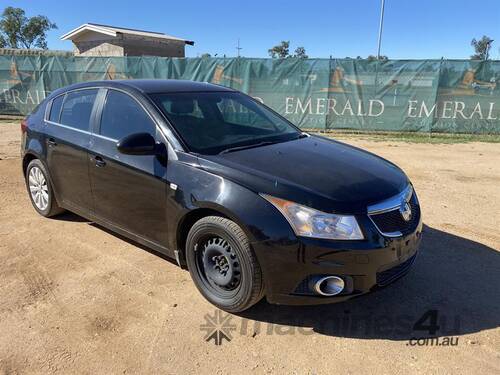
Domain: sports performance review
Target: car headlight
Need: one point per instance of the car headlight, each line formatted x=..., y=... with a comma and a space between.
x=309, y=222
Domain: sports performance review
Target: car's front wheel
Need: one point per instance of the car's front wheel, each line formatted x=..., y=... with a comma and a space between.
x=222, y=264
x=40, y=190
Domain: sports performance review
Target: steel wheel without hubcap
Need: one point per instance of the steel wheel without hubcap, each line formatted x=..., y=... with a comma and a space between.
x=218, y=265
x=223, y=265
x=38, y=188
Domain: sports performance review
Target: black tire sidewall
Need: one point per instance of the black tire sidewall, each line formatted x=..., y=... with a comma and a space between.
x=243, y=297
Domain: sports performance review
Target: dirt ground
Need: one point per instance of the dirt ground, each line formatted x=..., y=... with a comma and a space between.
x=75, y=298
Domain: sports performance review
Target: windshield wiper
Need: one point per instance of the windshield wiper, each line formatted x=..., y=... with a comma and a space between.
x=265, y=143
x=232, y=149
x=302, y=135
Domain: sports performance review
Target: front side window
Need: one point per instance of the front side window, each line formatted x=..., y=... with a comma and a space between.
x=123, y=116
x=55, y=109
x=77, y=108
x=211, y=122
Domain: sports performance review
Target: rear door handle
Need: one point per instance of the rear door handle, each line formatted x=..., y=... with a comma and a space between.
x=99, y=162
x=51, y=142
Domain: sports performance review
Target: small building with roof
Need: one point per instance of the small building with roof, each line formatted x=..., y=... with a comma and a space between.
x=91, y=39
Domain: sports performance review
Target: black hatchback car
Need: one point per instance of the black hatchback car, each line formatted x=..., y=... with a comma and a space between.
x=249, y=203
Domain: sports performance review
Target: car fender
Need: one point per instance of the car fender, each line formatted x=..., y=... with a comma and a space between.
x=35, y=148
x=197, y=189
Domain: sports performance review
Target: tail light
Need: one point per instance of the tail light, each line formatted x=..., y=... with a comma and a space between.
x=24, y=126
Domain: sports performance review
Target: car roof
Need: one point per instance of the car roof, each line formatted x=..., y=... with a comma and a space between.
x=151, y=86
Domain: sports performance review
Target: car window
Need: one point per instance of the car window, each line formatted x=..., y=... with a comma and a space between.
x=55, y=109
x=77, y=107
x=123, y=116
x=187, y=107
x=234, y=112
x=210, y=122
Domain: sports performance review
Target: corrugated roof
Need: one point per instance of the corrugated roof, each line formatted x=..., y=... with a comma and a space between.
x=114, y=30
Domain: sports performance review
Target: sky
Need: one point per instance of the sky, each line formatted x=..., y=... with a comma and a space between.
x=413, y=29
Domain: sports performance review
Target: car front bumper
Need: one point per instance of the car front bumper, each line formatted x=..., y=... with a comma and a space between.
x=289, y=268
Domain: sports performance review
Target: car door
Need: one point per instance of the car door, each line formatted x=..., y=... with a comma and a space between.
x=129, y=190
x=68, y=127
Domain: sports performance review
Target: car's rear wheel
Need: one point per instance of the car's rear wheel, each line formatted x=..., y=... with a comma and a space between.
x=222, y=264
x=40, y=190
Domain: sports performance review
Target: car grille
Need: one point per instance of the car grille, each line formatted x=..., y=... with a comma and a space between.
x=388, y=276
x=392, y=222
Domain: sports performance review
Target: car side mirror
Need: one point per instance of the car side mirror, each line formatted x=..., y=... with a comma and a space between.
x=137, y=144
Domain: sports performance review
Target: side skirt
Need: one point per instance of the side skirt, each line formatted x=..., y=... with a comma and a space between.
x=125, y=233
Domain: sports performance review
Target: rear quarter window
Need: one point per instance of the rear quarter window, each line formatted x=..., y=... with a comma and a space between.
x=55, y=109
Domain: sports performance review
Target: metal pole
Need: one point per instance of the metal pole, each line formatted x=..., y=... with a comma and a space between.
x=238, y=47
x=381, y=25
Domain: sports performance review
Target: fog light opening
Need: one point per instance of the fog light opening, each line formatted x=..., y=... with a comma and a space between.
x=329, y=286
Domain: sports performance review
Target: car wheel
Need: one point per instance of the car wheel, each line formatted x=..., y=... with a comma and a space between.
x=222, y=264
x=40, y=190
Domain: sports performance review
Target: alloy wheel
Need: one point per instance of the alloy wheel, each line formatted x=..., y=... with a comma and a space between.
x=38, y=188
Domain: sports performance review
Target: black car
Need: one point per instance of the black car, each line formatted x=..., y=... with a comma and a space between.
x=249, y=203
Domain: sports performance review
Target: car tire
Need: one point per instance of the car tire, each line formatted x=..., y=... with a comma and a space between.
x=40, y=189
x=223, y=265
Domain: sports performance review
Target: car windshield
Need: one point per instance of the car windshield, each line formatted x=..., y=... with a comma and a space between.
x=214, y=122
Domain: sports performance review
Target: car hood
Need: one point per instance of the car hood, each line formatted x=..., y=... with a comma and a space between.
x=314, y=171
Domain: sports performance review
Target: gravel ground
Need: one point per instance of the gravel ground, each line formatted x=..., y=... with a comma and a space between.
x=76, y=298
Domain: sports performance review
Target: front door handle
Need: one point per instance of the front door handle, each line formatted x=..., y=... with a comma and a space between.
x=99, y=162
x=51, y=142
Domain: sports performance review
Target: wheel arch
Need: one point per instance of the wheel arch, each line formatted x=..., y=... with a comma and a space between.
x=188, y=220
x=28, y=157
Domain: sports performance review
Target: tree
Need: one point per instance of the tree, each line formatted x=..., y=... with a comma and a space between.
x=301, y=52
x=281, y=50
x=481, y=47
x=374, y=58
x=205, y=55
x=19, y=31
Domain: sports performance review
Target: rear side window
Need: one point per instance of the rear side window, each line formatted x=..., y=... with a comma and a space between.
x=55, y=109
x=123, y=116
x=77, y=108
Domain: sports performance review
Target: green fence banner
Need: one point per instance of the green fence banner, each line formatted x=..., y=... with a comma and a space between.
x=456, y=96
